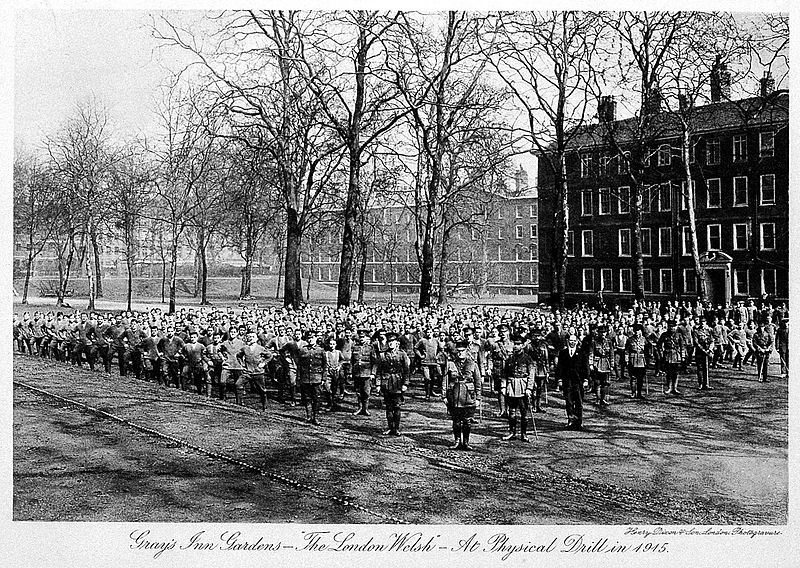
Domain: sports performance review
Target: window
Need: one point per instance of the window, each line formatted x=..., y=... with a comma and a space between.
x=604, y=205
x=647, y=195
x=586, y=165
x=768, y=189
x=664, y=241
x=500, y=213
x=713, y=193
x=712, y=152
x=768, y=282
x=624, y=199
x=606, y=280
x=534, y=274
x=685, y=195
x=686, y=241
x=499, y=252
x=740, y=236
x=588, y=279
x=500, y=234
x=689, y=281
x=665, y=196
x=587, y=243
x=516, y=254
x=534, y=252
x=767, y=236
x=533, y=210
x=740, y=148
x=586, y=202
x=516, y=273
x=766, y=144
x=473, y=234
x=570, y=243
x=666, y=280
x=519, y=231
x=624, y=242
x=604, y=161
x=714, y=237
x=647, y=249
x=625, y=280
x=740, y=191
x=517, y=214
x=534, y=231
x=741, y=282
x=647, y=280
x=664, y=155
x=623, y=163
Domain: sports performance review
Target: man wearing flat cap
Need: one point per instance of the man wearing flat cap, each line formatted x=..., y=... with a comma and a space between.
x=670, y=347
x=361, y=365
x=601, y=363
x=392, y=376
x=635, y=348
x=462, y=393
x=518, y=385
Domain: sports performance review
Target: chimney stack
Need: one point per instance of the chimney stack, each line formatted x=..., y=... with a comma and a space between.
x=767, y=85
x=607, y=109
x=720, y=81
x=652, y=102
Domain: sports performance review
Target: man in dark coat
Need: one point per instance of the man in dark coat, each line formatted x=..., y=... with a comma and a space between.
x=570, y=372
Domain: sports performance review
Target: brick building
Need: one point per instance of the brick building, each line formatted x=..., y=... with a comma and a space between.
x=740, y=170
x=499, y=255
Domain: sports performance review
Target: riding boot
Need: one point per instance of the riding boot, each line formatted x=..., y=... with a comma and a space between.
x=503, y=409
x=512, y=429
x=603, y=396
x=291, y=395
x=465, y=430
x=389, y=421
x=524, y=430
x=456, y=435
x=396, y=422
x=314, y=412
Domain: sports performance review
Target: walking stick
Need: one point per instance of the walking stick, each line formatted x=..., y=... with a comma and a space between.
x=546, y=377
x=533, y=419
x=647, y=380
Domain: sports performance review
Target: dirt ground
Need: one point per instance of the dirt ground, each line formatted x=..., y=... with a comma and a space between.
x=714, y=457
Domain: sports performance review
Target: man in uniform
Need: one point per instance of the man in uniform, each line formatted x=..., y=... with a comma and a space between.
x=600, y=355
x=762, y=345
x=670, y=347
x=195, y=371
x=463, y=393
x=635, y=348
x=393, y=366
x=500, y=349
x=427, y=349
x=311, y=369
x=703, y=342
x=231, y=365
x=171, y=349
x=254, y=360
x=782, y=345
x=570, y=373
x=362, y=370
x=539, y=354
x=519, y=382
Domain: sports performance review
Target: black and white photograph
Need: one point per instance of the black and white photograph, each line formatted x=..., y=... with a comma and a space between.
x=408, y=284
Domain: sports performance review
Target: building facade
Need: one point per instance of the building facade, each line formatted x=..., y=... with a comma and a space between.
x=739, y=162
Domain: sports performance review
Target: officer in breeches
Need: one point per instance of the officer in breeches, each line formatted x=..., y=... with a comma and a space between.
x=519, y=382
x=601, y=364
x=462, y=393
x=393, y=367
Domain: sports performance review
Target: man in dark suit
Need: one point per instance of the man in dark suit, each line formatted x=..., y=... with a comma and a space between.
x=570, y=372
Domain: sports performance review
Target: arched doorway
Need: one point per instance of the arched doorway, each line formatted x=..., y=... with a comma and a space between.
x=717, y=266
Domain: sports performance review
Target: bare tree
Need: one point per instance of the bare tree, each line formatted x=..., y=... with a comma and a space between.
x=547, y=59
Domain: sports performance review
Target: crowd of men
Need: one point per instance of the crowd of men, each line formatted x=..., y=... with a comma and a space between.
x=328, y=354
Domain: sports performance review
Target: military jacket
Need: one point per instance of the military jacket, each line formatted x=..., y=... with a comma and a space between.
x=601, y=355
x=520, y=371
x=635, y=349
x=463, y=383
x=671, y=346
x=393, y=368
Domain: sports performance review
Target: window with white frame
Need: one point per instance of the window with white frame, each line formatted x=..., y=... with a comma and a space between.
x=517, y=213
x=500, y=233
x=741, y=281
x=740, y=236
x=769, y=282
x=666, y=280
x=647, y=280
x=740, y=191
x=518, y=230
x=713, y=193
x=766, y=144
x=374, y=278
x=689, y=281
x=625, y=280
x=516, y=254
x=768, y=189
x=624, y=200
x=604, y=204
x=500, y=212
x=740, y=148
x=533, y=210
x=623, y=163
x=587, y=243
x=586, y=202
x=534, y=231
x=714, y=237
x=664, y=241
x=534, y=270
x=767, y=236
x=588, y=279
x=624, y=242
x=606, y=280
x=586, y=165
x=603, y=165
x=647, y=240
x=534, y=252
x=686, y=241
x=499, y=252
x=473, y=233
x=713, y=152
x=570, y=243
x=516, y=274
x=665, y=196
x=664, y=155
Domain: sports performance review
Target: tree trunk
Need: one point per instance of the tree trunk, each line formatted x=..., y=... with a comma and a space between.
x=98, y=272
x=64, y=271
x=90, y=269
x=247, y=271
x=426, y=270
x=442, y=299
x=362, y=273
x=28, y=269
x=204, y=274
x=280, y=273
x=129, y=265
x=292, y=292
x=561, y=279
x=638, y=260
x=348, y=233
x=173, y=274
x=700, y=273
